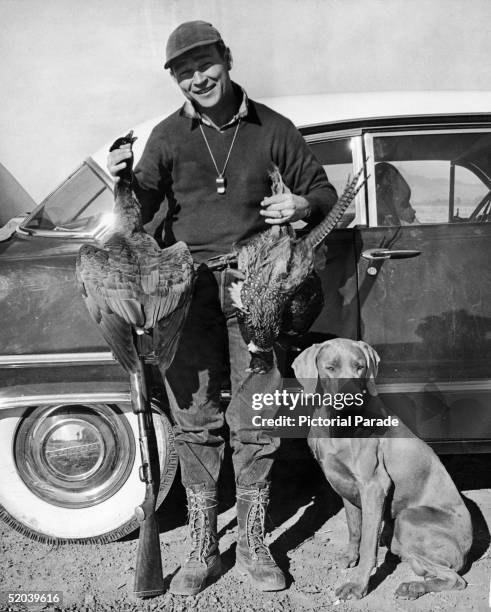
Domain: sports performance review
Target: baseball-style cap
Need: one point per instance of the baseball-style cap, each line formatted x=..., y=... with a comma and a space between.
x=187, y=36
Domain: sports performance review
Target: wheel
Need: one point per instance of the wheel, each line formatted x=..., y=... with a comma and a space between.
x=70, y=473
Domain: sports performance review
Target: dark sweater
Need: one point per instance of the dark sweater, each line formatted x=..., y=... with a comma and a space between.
x=176, y=164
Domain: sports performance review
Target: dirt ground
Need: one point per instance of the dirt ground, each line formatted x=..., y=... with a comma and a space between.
x=307, y=532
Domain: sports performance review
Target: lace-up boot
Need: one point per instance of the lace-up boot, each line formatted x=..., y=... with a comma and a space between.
x=253, y=557
x=203, y=561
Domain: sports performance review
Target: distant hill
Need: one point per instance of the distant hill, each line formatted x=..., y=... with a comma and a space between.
x=424, y=189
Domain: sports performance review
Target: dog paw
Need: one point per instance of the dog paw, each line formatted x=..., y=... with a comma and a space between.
x=350, y=590
x=410, y=590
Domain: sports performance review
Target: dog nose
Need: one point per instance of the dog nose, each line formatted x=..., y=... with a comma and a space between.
x=350, y=385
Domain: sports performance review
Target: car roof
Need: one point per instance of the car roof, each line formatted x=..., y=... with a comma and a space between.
x=344, y=108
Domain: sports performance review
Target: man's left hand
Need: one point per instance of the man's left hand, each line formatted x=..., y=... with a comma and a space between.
x=284, y=208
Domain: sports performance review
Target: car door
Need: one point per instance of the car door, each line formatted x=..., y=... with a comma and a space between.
x=424, y=277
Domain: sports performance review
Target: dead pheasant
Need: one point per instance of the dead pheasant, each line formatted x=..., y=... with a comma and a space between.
x=131, y=285
x=281, y=292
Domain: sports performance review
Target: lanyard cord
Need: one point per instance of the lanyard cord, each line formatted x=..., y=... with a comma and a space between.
x=219, y=174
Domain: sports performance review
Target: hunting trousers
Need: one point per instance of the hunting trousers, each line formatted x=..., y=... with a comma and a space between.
x=210, y=349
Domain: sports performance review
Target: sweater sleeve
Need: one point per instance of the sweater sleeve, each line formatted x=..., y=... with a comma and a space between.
x=152, y=176
x=302, y=172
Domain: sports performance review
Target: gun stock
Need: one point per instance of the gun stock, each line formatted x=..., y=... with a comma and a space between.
x=149, y=580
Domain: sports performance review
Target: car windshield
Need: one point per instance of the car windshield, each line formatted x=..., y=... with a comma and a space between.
x=77, y=205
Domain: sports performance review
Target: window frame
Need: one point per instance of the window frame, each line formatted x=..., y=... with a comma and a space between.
x=357, y=150
x=368, y=144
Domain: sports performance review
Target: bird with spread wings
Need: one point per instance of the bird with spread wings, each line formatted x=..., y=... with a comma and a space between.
x=131, y=286
x=139, y=295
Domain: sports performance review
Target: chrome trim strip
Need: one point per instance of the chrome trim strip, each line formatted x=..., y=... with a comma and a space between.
x=371, y=187
x=54, y=358
x=410, y=131
x=64, y=398
x=482, y=384
x=361, y=196
x=60, y=233
x=330, y=135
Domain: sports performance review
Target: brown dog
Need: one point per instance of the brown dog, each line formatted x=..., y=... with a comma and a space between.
x=432, y=526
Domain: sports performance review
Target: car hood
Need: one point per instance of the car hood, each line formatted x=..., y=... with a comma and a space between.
x=14, y=199
x=23, y=246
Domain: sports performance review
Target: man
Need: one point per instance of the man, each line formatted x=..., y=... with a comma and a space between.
x=210, y=161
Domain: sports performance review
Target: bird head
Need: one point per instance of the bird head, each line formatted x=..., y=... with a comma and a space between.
x=119, y=142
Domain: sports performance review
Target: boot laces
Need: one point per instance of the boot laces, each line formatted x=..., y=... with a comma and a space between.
x=256, y=522
x=201, y=537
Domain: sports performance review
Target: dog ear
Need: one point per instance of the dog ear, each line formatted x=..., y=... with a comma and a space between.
x=372, y=360
x=305, y=367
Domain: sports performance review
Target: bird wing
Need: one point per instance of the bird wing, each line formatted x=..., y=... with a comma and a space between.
x=267, y=253
x=166, y=336
x=102, y=287
x=270, y=263
x=151, y=291
x=167, y=280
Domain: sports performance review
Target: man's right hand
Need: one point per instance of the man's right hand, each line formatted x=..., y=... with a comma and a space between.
x=115, y=160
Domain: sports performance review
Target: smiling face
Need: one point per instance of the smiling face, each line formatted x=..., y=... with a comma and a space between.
x=203, y=76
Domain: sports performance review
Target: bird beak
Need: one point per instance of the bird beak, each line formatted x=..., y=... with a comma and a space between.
x=130, y=137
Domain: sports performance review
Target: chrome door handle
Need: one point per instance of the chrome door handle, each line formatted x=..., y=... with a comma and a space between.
x=377, y=254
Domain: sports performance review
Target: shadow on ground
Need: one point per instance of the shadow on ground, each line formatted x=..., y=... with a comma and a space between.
x=299, y=485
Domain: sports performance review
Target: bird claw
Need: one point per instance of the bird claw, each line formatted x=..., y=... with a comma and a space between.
x=256, y=371
x=261, y=362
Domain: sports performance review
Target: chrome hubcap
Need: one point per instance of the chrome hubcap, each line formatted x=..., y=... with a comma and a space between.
x=75, y=456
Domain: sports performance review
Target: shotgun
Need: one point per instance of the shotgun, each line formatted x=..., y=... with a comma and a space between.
x=149, y=580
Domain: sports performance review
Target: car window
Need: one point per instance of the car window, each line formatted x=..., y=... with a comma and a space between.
x=470, y=191
x=77, y=205
x=432, y=177
x=337, y=160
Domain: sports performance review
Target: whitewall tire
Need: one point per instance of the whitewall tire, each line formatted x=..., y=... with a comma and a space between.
x=70, y=474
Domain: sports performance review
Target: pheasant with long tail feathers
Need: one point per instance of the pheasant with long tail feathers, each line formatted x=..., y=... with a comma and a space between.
x=281, y=292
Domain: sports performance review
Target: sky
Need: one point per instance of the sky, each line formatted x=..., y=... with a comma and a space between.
x=77, y=73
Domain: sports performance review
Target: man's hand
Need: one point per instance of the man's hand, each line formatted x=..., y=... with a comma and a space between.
x=284, y=208
x=115, y=160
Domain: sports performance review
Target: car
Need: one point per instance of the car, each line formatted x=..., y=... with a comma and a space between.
x=406, y=270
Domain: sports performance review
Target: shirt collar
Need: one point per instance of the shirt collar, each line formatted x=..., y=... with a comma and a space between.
x=190, y=111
